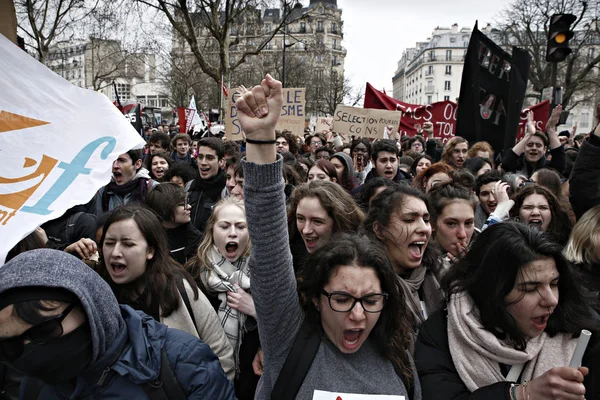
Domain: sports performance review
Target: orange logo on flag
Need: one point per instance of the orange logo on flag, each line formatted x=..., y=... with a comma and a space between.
x=13, y=122
x=14, y=192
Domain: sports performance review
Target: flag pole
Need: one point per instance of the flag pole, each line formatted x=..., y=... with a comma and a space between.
x=222, y=116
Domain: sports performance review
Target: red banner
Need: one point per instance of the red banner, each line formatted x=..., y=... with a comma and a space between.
x=185, y=115
x=441, y=114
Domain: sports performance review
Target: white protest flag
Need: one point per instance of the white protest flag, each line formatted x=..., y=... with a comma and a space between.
x=195, y=120
x=57, y=144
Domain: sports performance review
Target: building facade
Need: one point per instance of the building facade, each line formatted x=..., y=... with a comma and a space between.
x=98, y=63
x=306, y=52
x=432, y=70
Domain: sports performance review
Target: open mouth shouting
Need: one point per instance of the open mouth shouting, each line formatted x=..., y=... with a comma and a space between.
x=416, y=249
x=311, y=242
x=536, y=222
x=117, y=270
x=352, y=338
x=231, y=249
x=541, y=321
x=159, y=172
x=205, y=171
x=389, y=173
x=118, y=176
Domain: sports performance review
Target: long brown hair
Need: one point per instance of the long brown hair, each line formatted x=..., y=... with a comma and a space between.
x=162, y=271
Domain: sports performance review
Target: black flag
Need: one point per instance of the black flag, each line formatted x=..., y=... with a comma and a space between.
x=136, y=120
x=491, y=93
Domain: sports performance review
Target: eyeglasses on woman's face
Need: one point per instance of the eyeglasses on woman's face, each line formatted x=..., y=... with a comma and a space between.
x=344, y=302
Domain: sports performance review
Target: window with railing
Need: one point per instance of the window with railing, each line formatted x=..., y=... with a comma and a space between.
x=448, y=69
x=448, y=55
x=320, y=26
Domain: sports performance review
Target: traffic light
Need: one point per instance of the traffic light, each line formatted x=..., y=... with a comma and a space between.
x=559, y=34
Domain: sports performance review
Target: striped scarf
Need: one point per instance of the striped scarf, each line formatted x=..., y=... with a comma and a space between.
x=220, y=280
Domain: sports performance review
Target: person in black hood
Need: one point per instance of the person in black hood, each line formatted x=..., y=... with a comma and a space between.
x=206, y=189
x=170, y=203
x=64, y=330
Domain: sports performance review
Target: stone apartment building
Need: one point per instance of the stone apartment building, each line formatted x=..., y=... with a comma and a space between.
x=308, y=50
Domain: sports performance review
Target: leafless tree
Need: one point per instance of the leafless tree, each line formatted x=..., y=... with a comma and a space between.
x=47, y=22
x=225, y=22
x=525, y=24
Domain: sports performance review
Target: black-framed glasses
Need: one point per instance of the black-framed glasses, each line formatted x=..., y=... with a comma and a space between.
x=344, y=302
x=12, y=348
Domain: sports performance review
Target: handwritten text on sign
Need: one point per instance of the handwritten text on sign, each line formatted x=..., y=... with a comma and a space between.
x=291, y=118
x=367, y=122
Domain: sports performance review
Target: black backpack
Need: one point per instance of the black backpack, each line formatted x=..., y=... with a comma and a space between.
x=298, y=362
x=165, y=387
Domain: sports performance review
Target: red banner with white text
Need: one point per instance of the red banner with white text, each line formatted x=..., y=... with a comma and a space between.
x=441, y=114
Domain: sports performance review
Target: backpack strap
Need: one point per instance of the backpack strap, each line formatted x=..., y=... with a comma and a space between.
x=166, y=387
x=298, y=362
x=186, y=299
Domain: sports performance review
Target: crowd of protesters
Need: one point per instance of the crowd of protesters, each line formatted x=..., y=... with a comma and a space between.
x=282, y=265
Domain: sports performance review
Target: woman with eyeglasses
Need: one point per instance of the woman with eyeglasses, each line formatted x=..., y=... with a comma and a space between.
x=169, y=201
x=513, y=315
x=220, y=267
x=136, y=263
x=63, y=329
x=350, y=305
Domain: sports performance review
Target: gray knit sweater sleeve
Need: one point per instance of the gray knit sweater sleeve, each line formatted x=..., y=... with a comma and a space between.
x=273, y=281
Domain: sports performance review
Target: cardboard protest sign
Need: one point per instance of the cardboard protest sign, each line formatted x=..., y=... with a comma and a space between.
x=291, y=118
x=57, y=144
x=324, y=124
x=323, y=395
x=366, y=122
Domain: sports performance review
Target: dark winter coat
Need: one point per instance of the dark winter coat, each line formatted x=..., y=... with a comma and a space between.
x=584, y=184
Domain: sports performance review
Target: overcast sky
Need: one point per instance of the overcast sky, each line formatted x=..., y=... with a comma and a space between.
x=377, y=31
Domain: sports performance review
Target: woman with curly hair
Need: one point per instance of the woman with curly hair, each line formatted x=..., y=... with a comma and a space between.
x=317, y=210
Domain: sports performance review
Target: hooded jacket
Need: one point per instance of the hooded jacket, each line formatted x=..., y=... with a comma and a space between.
x=126, y=343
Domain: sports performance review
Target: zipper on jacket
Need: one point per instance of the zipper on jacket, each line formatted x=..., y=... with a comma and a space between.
x=102, y=378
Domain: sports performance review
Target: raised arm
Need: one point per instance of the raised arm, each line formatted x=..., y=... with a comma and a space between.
x=277, y=306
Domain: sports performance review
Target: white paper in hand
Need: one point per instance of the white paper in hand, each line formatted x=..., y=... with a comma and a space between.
x=323, y=395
